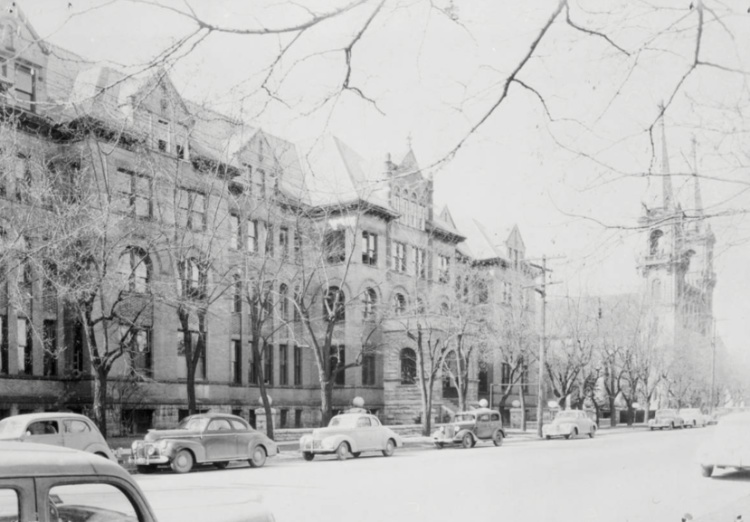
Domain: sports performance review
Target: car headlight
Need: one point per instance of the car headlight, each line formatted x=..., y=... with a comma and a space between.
x=150, y=451
x=326, y=443
x=162, y=445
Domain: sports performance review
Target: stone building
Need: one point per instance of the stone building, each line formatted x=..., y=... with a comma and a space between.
x=193, y=205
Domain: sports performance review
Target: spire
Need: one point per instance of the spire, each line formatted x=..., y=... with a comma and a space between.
x=696, y=182
x=667, y=195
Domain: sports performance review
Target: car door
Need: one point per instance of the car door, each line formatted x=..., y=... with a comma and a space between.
x=365, y=435
x=484, y=430
x=219, y=440
x=77, y=434
x=245, y=439
x=17, y=499
x=43, y=432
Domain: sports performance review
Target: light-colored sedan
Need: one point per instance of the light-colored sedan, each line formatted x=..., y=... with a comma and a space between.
x=667, y=418
x=69, y=430
x=693, y=417
x=350, y=434
x=570, y=423
x=729, y=447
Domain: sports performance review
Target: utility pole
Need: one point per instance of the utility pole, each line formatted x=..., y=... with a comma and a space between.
x=540, y=385
x=713, y=365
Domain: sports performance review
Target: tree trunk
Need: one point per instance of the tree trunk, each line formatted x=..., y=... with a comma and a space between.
x=426, y=410
x=522, y=399
x=184, y=318
x=612, y=411
x=100, y=399
x=264, y=398
x=631, y=413
x=326, y=401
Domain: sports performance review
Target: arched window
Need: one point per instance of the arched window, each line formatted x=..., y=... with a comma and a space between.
x=369, y=302
x=194, y=279
x=408, y=366
x=399, y=304
x=135, y=268
x=444, y=308
x=284, y=301
x=653, y=243
x=334, y=304
x=656, y=289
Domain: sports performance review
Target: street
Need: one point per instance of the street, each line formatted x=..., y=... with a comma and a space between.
x=617, y=476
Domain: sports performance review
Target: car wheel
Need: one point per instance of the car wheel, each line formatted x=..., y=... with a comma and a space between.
x=707, y=470
x=671, y=426
x=548, y=437
x=258, y=458
x=308, y=455
x=497, y=438
x=651, y=428
x=390, y=448
x=221, y=465
x=695, y=424
x=182, y=462
x=342, y=451
x=468, y=441
x=356, y=454
x=439, y=445
x=592, y=432
x=145, y=470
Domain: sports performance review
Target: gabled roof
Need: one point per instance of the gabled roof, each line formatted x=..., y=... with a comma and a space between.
x=443, y=222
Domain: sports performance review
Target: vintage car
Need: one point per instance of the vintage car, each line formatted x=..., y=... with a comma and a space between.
x=350, y=434
x=692, y=417
x=569, y=423
x=467, y=427
x=59, y=429
x=667, y=418
x=206, y=438
x=729, y=446
x=46, y=483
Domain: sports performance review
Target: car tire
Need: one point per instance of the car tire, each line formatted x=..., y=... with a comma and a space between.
x=390, y=448
x=356, y=454
x=467, y=441
x=439, y=445
x=651, y=428
x=706, y=471
x=342, y=452
x=548, y=437
x=182, y=462
x=221, y=465
x=497, y=438
x=144, y=469
x=258, y=458
x=308, y=455
x=671, y=426
x=592, y=432
x=695, y=424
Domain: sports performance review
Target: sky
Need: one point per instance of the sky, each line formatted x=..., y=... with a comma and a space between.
x=566, y=159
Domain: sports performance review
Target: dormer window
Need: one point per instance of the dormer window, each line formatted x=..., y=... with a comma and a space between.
x=25, y=87
x=161, y=135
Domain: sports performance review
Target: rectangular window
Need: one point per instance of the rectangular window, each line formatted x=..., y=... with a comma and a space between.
x=283, y=365
x=505, y=375
x=198, y=342
x=50, y=348
x=297, y=418
x=334, y=246
x=269, y=239
x=254, y=369
x=369, y=248
x=268, y=365
x=237, y=295
x=161, y=135
x=236, y=361
x=297, y=247
x=399, y=257
x=133, y=192
x=11, y=504
x=25, y=87
x=444, y=269
x=4, y=344
x=420, y=263
x=283, y=414
x=25, y=361
x=284, y=242
x=338, y=362
x=252, y=236
x=235, y=234
x=192, y=209
x=136, y=342
x=368, y=370
x=525, y=377
x=298, y=366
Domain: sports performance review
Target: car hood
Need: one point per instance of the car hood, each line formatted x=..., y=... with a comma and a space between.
x=153, y=435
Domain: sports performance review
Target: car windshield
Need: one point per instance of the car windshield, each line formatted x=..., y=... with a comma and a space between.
x=11, y=428
x=464, y=417
x=343, y=421
x=194, y=423
x=665, y=413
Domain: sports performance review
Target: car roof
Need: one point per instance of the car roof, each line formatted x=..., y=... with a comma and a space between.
x=25, y=459
x=49, y=416
x=213, y=415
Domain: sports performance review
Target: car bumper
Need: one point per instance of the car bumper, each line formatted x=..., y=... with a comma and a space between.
x=554, y=431
x=444, y=439
x=147, y=461
x=665, y=424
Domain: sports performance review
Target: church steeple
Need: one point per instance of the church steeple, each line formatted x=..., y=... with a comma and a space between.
x=667, y=193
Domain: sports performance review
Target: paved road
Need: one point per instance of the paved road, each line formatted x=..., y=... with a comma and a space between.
x=625, y=476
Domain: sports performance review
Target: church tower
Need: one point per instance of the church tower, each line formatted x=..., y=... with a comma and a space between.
x=676, y=264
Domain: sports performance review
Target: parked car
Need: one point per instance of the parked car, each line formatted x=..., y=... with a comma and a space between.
x=667, y=418
x=350, y=434
x=729, y=446
x=214, y=438
x=569, y=423
x=467, y=427
x=69, y=430
x=692, y=417
x=43, y=482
